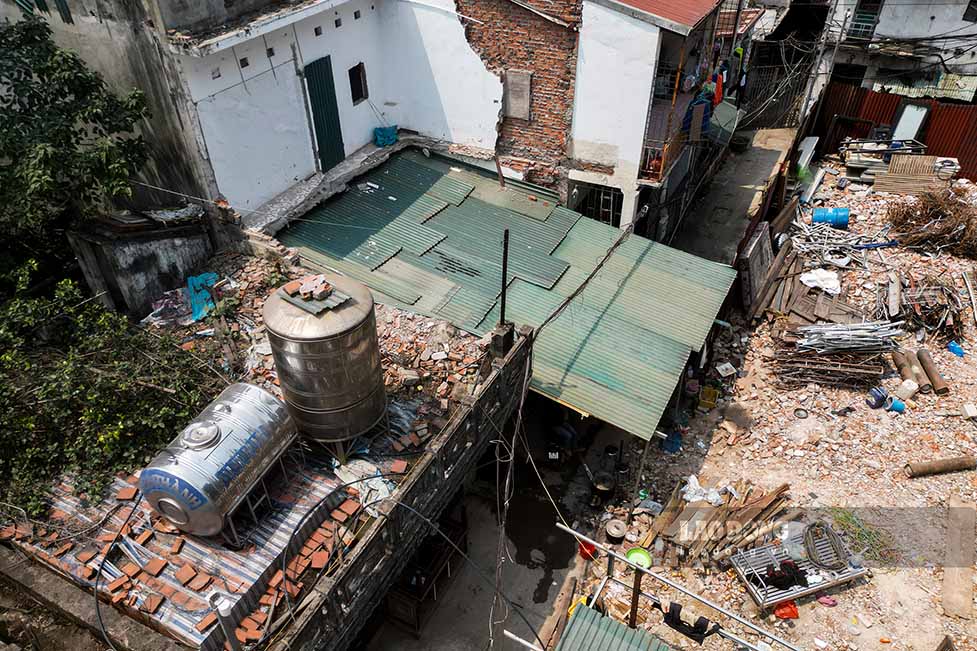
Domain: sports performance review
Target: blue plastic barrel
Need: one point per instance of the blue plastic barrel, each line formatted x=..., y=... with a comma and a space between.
x=835, y=217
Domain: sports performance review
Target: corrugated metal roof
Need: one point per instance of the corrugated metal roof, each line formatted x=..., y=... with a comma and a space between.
x=683, y=12
x=588, y=630
x=961, y=87
x=727, y=18
x=616, y=352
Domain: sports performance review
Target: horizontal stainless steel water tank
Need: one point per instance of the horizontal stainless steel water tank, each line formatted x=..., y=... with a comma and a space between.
x=206, y=471
x=328, y=364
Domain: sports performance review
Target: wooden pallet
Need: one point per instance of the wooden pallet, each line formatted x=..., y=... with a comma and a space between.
x=910, y=174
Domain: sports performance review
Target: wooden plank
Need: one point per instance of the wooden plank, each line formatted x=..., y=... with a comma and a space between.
x=958, y=574
x=766, y=292
x=669, y=513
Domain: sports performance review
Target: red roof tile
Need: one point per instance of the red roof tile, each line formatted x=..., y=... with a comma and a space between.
x=684, y=12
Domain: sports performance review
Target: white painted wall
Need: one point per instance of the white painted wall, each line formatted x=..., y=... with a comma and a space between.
x=421, y=73
x=901, y=19
x=616, y=65
x=437, y=84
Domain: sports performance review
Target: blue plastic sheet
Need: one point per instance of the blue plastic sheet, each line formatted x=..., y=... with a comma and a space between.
x=200, y=301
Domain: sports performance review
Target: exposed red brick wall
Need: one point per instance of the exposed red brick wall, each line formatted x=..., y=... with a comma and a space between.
x=514, y=38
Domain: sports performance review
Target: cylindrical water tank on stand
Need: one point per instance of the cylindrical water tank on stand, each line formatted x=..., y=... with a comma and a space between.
x=328, y=363
x=211, y=466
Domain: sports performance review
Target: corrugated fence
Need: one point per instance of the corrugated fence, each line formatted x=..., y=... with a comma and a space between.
x=850, y=111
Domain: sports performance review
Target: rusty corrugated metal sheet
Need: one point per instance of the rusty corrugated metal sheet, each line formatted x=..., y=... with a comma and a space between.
x=949, y=132
x=683, y=12
x=946, y=126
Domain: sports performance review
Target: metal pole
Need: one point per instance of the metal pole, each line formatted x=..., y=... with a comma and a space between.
x=635, y=594
x=637, y=478
x=505, y=274
x=736, y=28
x=516, y=638
x=679, y=587
x=498, y=168
x=831, y=66
x=223, y=606
x=721, y=633
x=817, y=59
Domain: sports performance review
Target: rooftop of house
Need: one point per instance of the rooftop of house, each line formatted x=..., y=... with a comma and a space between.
x=162, y=577
x=727, y=18
x=425, y=233
x=680, y=16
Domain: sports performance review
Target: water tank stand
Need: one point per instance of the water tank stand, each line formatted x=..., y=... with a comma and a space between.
x=259, y=496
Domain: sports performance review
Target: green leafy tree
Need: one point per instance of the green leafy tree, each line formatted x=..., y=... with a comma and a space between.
x=67, y=143
x=83, y=392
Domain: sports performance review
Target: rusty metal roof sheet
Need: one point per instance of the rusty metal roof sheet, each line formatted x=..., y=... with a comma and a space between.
x=688, y=13
x=727, y=18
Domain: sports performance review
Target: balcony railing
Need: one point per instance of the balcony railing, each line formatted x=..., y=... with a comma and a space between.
x=658, y=156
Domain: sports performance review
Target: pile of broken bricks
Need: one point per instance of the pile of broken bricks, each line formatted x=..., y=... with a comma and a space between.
x=309, y=288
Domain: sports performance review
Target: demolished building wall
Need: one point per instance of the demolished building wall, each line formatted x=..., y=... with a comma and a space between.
x=512, y=37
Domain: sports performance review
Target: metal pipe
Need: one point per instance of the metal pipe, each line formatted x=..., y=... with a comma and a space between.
x=929, y=366
x=635, y=593
x=222, y=606
x=516, y=638
x=940, y=466
x=925, y=386
x=600, y=589
x=680, y=588
x=505, y=274
x=721, y=633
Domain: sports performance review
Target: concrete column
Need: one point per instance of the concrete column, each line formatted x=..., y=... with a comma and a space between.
x=630, y=207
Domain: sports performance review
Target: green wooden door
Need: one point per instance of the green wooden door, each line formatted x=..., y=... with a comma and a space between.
x=325, y=112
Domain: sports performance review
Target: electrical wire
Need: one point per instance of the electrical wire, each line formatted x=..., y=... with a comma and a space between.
x=305, y=518
x=101, y=567
x=482, y=573
x=507, y=492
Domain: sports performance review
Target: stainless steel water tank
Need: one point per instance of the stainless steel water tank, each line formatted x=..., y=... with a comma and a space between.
x=328, y=364
x=206, y=471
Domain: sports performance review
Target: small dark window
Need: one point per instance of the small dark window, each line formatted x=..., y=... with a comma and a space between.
x=215, y=73
x=339, y=22
x=970, y=13
x=244, y=62
x=270, y=52
x=356, y=15
x=357, y=83
x=317, y=31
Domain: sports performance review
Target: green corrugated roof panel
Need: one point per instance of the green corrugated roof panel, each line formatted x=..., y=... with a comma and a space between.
x=424, y=208
x=588, y=630
x=450, y=189
x=483, y=222
x=610, y=367
x=374, y=252
x=395, y=290
x=466, y=308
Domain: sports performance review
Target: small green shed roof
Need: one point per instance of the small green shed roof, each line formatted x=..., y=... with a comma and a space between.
x=588, y=630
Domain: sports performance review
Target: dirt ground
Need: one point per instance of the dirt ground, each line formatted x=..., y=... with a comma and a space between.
x=26, y=624
x=851, y=464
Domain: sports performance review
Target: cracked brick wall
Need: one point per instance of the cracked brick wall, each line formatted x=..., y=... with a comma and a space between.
x=514, y=38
